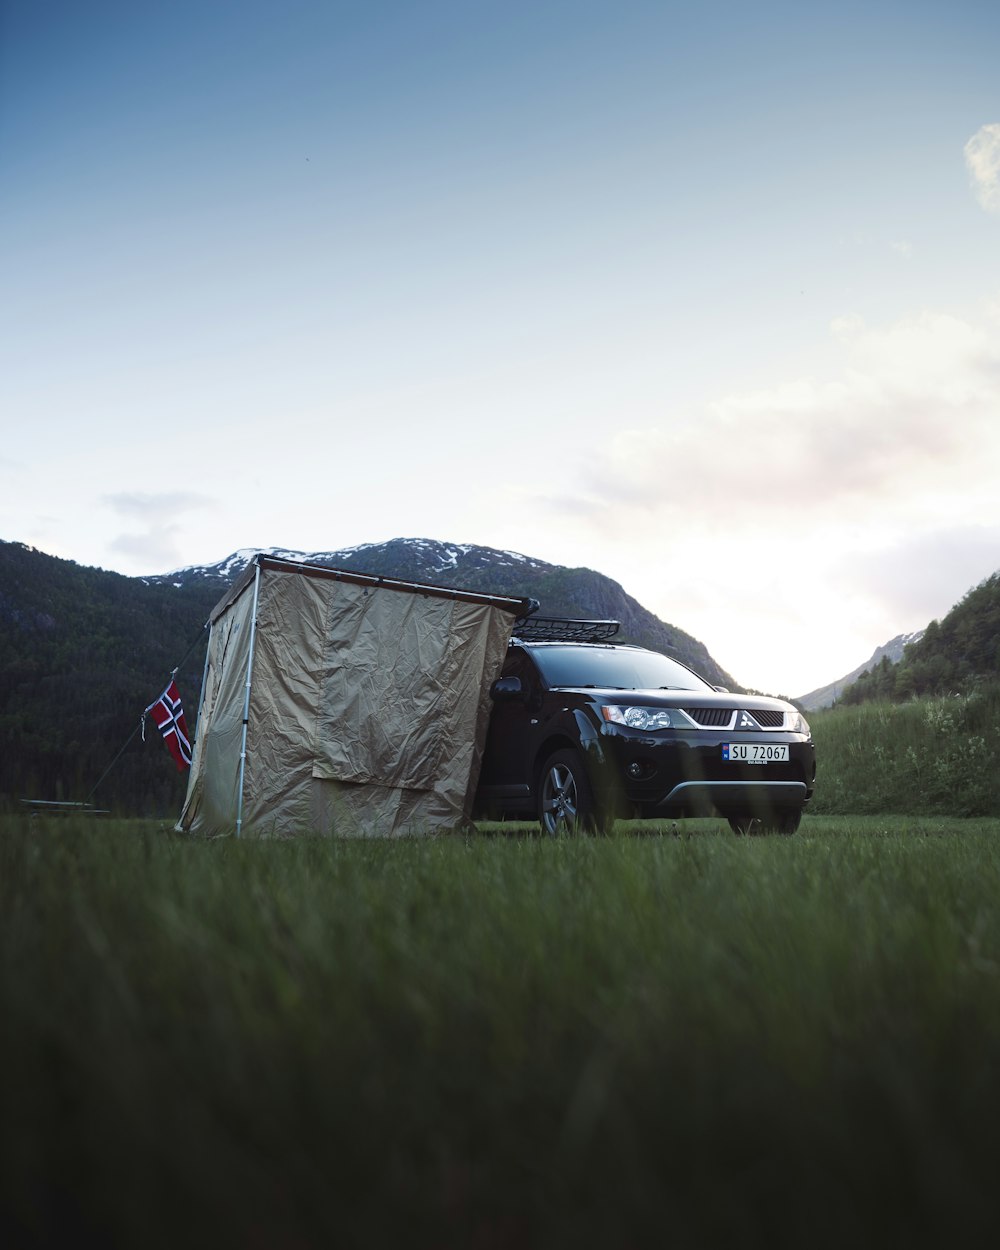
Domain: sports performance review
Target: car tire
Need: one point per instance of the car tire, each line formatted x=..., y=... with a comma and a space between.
x=565, y=798
x=784, y=822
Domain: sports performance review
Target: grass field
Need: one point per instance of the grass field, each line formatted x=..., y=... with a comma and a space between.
x=926, y=756
x=683, y=1039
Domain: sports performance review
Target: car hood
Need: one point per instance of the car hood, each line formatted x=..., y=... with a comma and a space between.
x=681, y=698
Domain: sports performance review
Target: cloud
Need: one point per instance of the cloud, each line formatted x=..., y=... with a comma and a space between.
x=913, y=410
x=982, y=157
x=156, y=547
x=153, y=509
x=796, y=527
x=153, y=551
x=921, y=577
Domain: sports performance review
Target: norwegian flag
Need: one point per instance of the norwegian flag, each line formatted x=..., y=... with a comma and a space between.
x=169, y=717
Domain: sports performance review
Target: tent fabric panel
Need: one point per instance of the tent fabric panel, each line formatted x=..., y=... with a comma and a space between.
x=343, y=809
x=291, y=626
x=515, y=605
x=264, y=561
x=212, y=800
x=239, y=587
x=385, y=698
x=475, y=655
x=458, y=710
x=368, y=712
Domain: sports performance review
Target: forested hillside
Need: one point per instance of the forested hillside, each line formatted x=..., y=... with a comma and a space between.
x=955, y=655
x=82, y=653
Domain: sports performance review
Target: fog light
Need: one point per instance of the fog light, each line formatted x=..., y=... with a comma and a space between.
x=635, y=769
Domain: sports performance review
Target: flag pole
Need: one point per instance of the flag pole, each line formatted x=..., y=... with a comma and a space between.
x=139, y=728
x=246, y=699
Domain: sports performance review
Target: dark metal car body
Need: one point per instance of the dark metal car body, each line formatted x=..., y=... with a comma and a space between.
x=584, y=716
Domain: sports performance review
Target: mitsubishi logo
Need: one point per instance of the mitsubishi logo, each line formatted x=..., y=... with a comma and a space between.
x=747, y=721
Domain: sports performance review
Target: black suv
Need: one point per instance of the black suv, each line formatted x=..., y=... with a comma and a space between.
x=583, y=730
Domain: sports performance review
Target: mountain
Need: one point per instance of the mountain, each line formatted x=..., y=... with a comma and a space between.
x=83, y=651
x=826, y=695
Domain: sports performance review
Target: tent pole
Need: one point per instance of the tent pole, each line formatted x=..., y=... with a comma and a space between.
x=246, y=700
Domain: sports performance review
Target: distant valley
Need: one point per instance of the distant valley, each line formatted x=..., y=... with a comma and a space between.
x=829, y=694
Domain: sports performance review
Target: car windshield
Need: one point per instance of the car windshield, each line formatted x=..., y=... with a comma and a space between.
x=617, y=668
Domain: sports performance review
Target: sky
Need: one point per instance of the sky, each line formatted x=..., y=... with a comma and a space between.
x=706, y=298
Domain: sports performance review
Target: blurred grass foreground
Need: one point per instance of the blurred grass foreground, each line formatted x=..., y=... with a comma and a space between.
x=664, y=1040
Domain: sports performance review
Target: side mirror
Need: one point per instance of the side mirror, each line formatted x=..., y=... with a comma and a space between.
x=506, y=688
x=721, y=689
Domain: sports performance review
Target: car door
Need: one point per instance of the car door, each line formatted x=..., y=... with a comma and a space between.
x=505, y=781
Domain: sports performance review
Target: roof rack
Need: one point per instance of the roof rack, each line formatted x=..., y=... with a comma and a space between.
x=561, y=629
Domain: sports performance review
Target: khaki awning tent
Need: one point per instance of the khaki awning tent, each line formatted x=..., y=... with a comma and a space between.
x=338, y=702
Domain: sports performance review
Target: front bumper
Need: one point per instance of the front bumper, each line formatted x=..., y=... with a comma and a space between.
x=676, y=773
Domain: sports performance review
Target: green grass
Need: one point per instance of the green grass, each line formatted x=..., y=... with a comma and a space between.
x=927, y=756
x=688, y=1040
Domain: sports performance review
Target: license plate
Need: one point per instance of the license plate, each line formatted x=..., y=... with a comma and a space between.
x=755, y=752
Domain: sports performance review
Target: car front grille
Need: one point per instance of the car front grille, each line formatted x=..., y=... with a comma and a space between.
x=723, y=717
x=720, y=716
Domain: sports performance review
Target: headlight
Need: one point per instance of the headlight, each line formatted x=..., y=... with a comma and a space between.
x=647, y=717
x=796, y=723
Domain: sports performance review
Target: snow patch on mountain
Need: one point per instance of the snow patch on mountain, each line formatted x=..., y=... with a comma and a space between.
x=430, y=558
